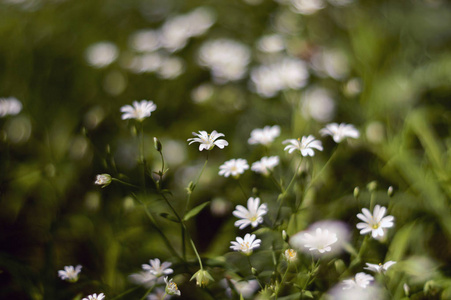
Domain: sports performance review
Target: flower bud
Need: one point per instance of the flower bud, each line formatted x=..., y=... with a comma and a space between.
x=390, y=191
x=202, y=277
x=406, y=289
x=254, y=271
x=340, y=266
x=157, y=144
x=103, y=180
x=284, y=235
x=372, y=186
x=356, y=192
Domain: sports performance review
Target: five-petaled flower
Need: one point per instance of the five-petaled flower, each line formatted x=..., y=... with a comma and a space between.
x=171, y=287
x=253, y=215
x=361, y=280
x=208, y=141
x=70, y=273
x=374, y=223
x=95, y=297
x=380, y=268
x=290, y=255
x=234, y=167
x=264, y=136
x=157, y=268
x=245, y=245
x=139, y=110
x=321, y=241
x=340, y=131
x=304, y=145
x=265, y=165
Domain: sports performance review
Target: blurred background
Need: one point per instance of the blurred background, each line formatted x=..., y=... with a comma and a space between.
x=230, y=66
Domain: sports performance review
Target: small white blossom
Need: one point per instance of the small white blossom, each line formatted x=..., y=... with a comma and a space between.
x=372, y=292
x=374, y=223
x=139, y=110
x=265, y=135
x=265, y=165
x=157, y=268
x=340, y=131
x=304, y=145
x=95, y=297
x=103, y=180
x=320, y=241
x=10, y=106
x=253, y=215
x=246, y=245
x=101, y=54
x=307, y=7
x=318, y=104
x=171, y=287
x=271, y=43
x=143, y=278
x=159, y=294
x=380, y=268
x=208, y=141
x=361, y=280
x=70, y=273
x=234, y=167
x=290, y=255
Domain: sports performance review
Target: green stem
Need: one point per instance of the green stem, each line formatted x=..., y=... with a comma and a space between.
x=124, y=183
x=283, y=280
x=250, y=265
x=164, y=296
x=242, y=190
x=147, y=293
x=126, y=292
x=273, y=178
x=188, y=198
x=195, y=249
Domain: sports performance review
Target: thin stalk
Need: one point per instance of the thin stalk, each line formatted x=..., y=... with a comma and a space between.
x=250, y=265
x=147, y=293
x=125, y=293
x=242, y=189
x=124, y=183
x=188, y=198
x=195, y=249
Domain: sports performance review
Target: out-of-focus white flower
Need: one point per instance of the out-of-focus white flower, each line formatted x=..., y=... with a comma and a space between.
x=375, y=132
x=339, y=228
x=288, y=73
x=171, y=67
x=265, y=165
x=246, y=245
x=208, y=141
x=290, y=255
x=340, y=131
x=320, y=241
x=95, y=297
x=158, y=294
x=157, y=268
x=307, y=7
x=317, y=103
x=70, y=273
x=253, y=215
x=304, y=145
x=265, y=135
x=145, y=41
x=380, y=268
x=406, y=288
x=103, y=180
x=202, y=93
x=244, y=288
x=340, y=2
x=101, y=54
x=330, y=63
x=226, y=59
x=371, y=292
x=374, y=223
x=145, y=63
x=139, y=110
x=10, y=106
x=171, y=287
x=361, y=280
x=234, y=167
x=143, y=278
x=271, y=43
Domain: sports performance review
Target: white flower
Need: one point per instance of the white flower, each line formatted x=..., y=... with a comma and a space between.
x=321, y=241
x=171, y=287
x=233, y=167
x=101, y=54
x=139, y=110
x=361, y=280
x=307, y=7
x=145, y=41
x=70, y=273
x=208, y=141
x=372, y=292
x=304, y=145
x=340, y=131
x=290, y=255
x=158, y=294
x=10, y=106
x=253, y=215
x=380, y=268
x=158, y=269
x=340, y=228
x=143, y=278
x=95, y=297
x=374, y=223
x=103, y=180
x=271, y=43
x=317, y=103
x=264, y=136
x=245, y=245
x=265, y=165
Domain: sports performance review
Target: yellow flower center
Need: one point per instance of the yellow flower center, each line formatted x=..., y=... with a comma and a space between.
x=253, y=219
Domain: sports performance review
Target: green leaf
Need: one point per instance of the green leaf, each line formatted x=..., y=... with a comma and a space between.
x=169, y=217
x=196, y=210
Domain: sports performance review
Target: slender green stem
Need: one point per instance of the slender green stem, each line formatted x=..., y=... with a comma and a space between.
x=242, y=190
x=164, y=296
x=250, y=265
x=195, y=249
x=125, y=293
x=273, y=178
x=283, y=280
x=147, y=293
x=372, y=199
x=124, y=183
x=188, y=198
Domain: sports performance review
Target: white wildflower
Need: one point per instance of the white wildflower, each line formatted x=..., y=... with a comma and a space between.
x=95, y=297
x=361, y=280
x=143, y=278
x=253, y=215
x=139, y=110
x=374, y=223
x=171, y=287
x=265, y=165
x=340, y=131
x=271, y=43
x=320, y=241
x=265, y=135
x=380, y=268
x=208, y=141
x=101, y=54
x=157, y=268
x=307, y=7
x=10, y=106
x=103, y=180
x=145, y=40
x=246, y=245
x=234, y=167
x=304, y=145
x=70, y=273
x=290, y=255
x=317, y=104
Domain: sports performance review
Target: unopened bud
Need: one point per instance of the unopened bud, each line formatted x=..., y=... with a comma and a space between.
x=340, y=266
x=190, y=187
x=202, y=277
x=157, y=144
x=406, y=289
x=108, y=149
x=103, y=180
x=284, y=235
x=356, y=192
x=390, y=191
x=254, y=271
x=372, y=186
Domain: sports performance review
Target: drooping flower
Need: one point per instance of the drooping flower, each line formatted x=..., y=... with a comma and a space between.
x=202, y=277
x=171, y=287
x=321, y=241
x=70, y=273
x=361, y=280
x=265, y=135
x=157, y=268
x=253, y=215
x=208, y=141
x=10, y=106
x=380, y=268
x=139, y=110
x=103, y=180
x=304, y=145
x=374, y=223
x=265, y=165
x=143, y=278
x=290, y=255
x=246, y=245
x=95, y=297
x=234, y=167
x=340, y=131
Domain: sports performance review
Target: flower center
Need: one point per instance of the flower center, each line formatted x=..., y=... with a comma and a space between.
x=245, y=246
x=253, y=218
x=291, y=253
x=375, y=225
